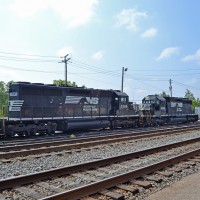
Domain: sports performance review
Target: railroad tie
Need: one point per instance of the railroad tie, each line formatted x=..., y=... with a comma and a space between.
x=198, y=157
x=131, y=189
x=30, y=192
x=190, y=163
x=144, y=184
x=167, y=174
x=50, y=187
x=153, y=178
x=175, y=169
x=194, y=159
x=113, y=195
x=184, y=165
x=67, y=182
x=6, y=161
x=107, y=170
x=88, y=178
x=97, y=174
x=88, y=198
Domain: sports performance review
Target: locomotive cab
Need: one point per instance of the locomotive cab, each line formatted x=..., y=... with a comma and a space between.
x=154, y=104
x=121, y=104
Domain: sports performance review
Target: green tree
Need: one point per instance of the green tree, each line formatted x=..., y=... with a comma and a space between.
x=63, y=83
x=189, y=95
x=195, y=103
x=4, y=94
x=164, y=94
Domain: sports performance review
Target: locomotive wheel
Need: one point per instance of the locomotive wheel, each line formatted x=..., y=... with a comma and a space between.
x=11, y=134
x=125, y=125
x=113, y=125
x=28, y=133
x=33, y=131
x=49, y=132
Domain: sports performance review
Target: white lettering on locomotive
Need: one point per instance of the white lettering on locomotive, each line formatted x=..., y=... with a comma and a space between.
x=92, y=100
x=180, y=105
x=123, y=106
x=87, y=108
x=13, y=94
x=81, y=100
x=15, y=105
x=179, y=109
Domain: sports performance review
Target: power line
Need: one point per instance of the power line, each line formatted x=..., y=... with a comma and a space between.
x=166, y=74
x=26, y=59
x=160, y=70
x=42, y=71
x=97, y=70
x=10, y=53
x=182, y=84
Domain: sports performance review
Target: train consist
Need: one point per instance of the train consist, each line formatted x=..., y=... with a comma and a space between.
x=38, y=108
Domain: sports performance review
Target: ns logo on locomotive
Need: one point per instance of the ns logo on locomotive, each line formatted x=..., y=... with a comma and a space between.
x=39, y=108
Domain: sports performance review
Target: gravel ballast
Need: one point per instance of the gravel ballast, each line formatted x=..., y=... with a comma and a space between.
x=32, y=164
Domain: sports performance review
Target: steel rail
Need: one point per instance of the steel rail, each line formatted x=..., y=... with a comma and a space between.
x=88, y=142
x=85, y=143
x=25, y=179
x=89, y=189
x=72, y=141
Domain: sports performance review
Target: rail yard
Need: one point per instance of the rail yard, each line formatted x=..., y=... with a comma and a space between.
x=77, y=143
x=126, y=165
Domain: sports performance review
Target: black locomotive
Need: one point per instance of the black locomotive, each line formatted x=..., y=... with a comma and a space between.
x=166, y=110
x=38, y=108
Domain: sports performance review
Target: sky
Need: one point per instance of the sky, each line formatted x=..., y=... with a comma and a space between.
x=156, y=40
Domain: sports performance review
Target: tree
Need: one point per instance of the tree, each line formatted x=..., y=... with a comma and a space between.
x=4, y=94
x=195, y=103
x=63, y=83
x=189, y=95
x=164, y=94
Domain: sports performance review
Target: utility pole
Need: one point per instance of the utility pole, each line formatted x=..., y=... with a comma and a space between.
x=65, y=60
x=170, y=87
x=123, y=70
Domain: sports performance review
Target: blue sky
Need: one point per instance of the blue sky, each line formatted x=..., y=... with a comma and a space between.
x=155, y=40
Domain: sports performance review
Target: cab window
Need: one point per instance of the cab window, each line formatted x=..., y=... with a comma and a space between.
x=123, y=99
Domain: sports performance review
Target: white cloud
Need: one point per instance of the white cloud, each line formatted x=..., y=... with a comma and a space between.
x=128, y=18
x=150, y=33
x=64, y=51
x=24, y=8
x=193, y=57
x=98, y=55
x=76, y=12
x=168, y=52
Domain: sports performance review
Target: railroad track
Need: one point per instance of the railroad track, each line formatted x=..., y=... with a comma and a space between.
x=62, y=183
x=9, y=152
x=79, y=135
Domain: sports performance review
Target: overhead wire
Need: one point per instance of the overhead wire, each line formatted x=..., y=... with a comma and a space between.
x=81, y=65
x=11, y=53
x=185, y=85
